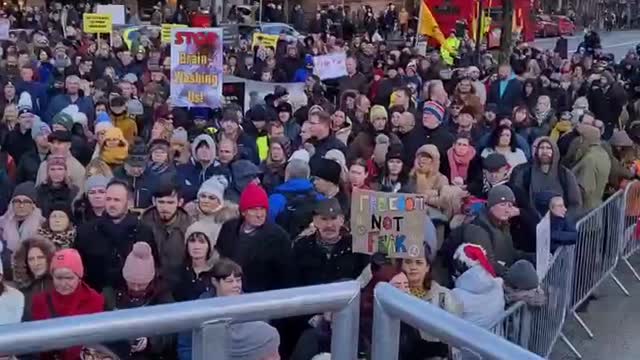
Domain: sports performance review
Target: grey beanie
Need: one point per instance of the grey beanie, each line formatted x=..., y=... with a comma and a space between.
x=94, y=182
x=499, y=194
x=40, y=128
x=521, y=276
x=27, y=188
x=253, y=340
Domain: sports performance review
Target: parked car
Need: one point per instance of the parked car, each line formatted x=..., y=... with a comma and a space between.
x=565, y=25
x=546, y=26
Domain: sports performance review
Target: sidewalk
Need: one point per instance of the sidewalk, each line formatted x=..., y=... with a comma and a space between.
x=614, y=319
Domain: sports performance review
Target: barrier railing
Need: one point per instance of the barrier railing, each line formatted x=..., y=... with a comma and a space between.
x=514, y=324
x=547, y=321
x=209, y=319
x=392, y=306
x=600, y=238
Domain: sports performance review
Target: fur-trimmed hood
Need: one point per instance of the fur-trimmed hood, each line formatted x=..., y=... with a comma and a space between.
x=227, y=212
x=21, y=274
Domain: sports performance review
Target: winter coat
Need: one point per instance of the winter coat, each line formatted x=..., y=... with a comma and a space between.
x=158, y=347
x=443, y=298
x=326, y=144
x=48, y=196
x=212, y=222
x=81, y=301
x=14, y=233
x=420, y=135
x=17, y=143
x=189, y=285
x=75, y=171
x=278, y=199
x=84, y=103
x=592, y=173
x=24, y=280
x=343, y=133
x=142, y=186
x=563, y=232
x=496, y=241
x=509, y=99
x=264, y=255
x=191, y=175
x=272, y=175
x=82, y=211
x=481, y=296
x=104, y=246
x=11, y=306
x=315, y=265
x=28, y=166
x=169, y=238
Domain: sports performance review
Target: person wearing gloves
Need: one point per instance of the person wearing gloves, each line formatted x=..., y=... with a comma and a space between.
x=70, y=296
x=23, y=218
x=11, y=300
x=255, y=340
x=199, y=168
x=261, y=247
x=31, y=275
x=194, y=277
x=114, y=148
x=58, y=228
x=91, y=205
x=477, y=287
x=56, y=189
x=30, y=161
x=210, y=210
x=141, y=288
x=60, y=145
x=103, y=123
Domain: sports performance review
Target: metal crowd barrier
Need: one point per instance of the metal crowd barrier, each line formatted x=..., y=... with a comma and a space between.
x=514, y=325
x=392, y=306
x=209, y=319
x=600, y=238
x=631, y=215
x=547, y=321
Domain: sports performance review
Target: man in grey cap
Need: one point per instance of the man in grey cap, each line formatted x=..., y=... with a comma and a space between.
x=495, y=171
x=323, y=253
x=493, y=233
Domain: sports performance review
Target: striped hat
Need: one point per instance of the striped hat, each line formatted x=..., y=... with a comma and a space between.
x=435, y=109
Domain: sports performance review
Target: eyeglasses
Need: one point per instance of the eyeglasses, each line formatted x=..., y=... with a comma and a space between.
x=20, y=202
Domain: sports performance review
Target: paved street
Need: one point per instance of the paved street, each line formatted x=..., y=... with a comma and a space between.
x=616, y=42
x=614, y=319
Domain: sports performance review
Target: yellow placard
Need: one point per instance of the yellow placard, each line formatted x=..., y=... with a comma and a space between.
x=166, y=31
x=265, y=40
x=97, y=23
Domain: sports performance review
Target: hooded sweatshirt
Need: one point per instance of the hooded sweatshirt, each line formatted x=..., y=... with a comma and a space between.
x=481, y=295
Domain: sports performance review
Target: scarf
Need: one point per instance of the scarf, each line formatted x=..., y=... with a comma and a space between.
x=62, y=240
x=486, y=185
x=459, y=165
x=114, y=155
x=561, y=128
x=13, y=233
x=158, y=168
x=542, y=116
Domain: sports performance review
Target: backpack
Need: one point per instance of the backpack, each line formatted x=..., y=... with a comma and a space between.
x=298, y=212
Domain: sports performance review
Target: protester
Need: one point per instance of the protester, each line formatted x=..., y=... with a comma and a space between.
x=56, y=188
x=23, y=218
x=58, y=227
x=12, y=301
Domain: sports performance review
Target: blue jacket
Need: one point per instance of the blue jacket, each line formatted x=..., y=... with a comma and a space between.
x=278, y=201
x=143, y=186
x=85, y=105
x=301, y=75
x=191, y=175
x=38, y=92
x=563, y=232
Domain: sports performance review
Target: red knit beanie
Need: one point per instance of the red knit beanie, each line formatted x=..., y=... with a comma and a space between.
x=252, y=197
x=68, y=259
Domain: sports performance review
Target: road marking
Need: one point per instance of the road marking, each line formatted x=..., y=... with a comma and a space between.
x=613, y=46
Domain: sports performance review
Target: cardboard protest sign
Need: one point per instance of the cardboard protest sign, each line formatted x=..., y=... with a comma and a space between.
x=116, y=11
x=196, y=67
x=330, y=66
x=264, y=40
x=389, y=223
x=97, y=23
x=543, y=246
x=166, y=31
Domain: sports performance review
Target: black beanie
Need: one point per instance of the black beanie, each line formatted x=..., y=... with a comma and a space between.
x=326, y=169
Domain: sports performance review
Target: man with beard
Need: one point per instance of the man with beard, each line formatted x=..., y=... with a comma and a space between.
x=506, y=92
x=104, y=243
x=545, y=173
x=72, y=96
x=168, y=222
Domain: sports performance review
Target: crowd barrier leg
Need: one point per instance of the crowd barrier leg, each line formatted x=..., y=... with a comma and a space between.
x=633, y=270
x=622, y=288
x=582, y=323
x=570, y=345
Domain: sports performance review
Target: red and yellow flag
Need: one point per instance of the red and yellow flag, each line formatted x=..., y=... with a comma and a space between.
x=428, y=26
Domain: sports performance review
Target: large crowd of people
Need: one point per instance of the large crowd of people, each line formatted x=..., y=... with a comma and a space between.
x=113, y=199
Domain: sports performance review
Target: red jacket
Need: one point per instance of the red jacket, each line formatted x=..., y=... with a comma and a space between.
x=82, y=301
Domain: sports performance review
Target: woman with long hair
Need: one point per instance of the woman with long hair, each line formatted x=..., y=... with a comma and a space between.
x=274, y=165
x=194, y=278
x=394, y=175
x=503, y=141
x=31, y=269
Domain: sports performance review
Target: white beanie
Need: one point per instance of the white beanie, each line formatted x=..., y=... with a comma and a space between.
x=25, y=102
x=216, y=185
x=103, y=126
x=300, y=155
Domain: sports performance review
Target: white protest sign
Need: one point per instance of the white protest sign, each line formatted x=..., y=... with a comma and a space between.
x=4, y=29
x=330, y=66
x=116, y=11
x=543, y=246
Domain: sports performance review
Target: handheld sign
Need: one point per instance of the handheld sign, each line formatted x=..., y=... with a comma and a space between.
x=97, y=23
x=166, y=31
x=330, y=66
x=389, y=223
x=543, y=246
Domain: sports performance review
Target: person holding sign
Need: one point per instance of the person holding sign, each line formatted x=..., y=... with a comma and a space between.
x=325, y=254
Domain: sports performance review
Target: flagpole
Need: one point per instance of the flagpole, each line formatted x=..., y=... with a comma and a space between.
x=415, y=42
x=479, y=30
